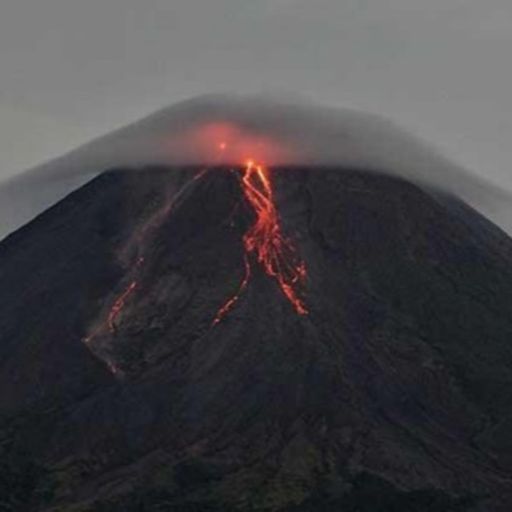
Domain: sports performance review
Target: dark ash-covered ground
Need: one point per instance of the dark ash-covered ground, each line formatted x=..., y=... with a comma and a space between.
x=393, y=394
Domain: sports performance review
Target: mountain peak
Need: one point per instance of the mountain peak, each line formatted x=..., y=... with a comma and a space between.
x=278, y=130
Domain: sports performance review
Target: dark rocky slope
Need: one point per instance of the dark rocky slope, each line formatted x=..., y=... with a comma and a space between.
x=393, y=394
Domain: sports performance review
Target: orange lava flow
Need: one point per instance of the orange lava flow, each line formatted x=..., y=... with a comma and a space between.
x=265, y=240
x=120, y=301
x=226, y=308
x=119, y=305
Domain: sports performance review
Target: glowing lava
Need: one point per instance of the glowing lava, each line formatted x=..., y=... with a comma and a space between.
x=226, y=308
x=119, y=305
x=263, y=243
x=265, y=240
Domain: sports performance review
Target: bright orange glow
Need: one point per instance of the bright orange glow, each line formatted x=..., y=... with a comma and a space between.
x=265, y=240
x=263, y=243
x=220, y=142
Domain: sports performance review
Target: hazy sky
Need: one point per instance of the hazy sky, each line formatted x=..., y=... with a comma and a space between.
x=72, y=70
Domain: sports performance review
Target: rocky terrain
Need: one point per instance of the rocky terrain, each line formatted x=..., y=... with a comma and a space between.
x=394, y=392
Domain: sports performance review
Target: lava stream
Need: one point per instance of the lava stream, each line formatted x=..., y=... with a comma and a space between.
x=119, y=305
x=264, y=238
x=224, y=310
x=263, y=242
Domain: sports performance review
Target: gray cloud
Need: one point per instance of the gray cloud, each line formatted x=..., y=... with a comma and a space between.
x=278, y=130
x=441, y=68
x=71, y=71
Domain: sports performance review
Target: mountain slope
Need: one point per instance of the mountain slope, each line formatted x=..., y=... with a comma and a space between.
x=394, y=391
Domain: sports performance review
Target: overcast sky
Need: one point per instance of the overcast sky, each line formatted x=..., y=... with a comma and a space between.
x=72, y=70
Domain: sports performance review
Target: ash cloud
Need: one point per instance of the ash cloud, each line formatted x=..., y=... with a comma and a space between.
x=226, y=129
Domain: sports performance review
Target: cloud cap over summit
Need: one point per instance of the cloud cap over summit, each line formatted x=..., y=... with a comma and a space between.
x=282, y=130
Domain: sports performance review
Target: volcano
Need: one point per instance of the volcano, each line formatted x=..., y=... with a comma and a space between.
x=239, y=339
